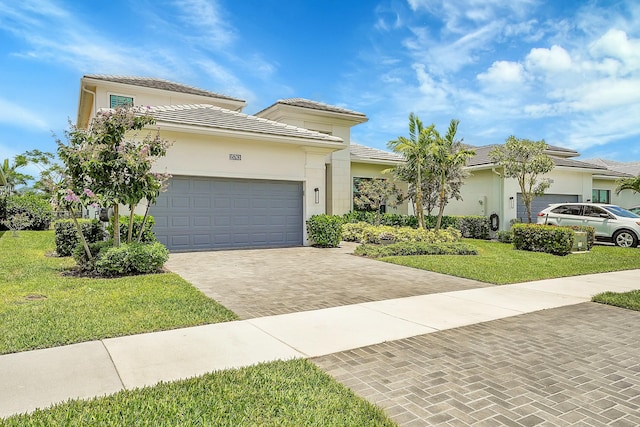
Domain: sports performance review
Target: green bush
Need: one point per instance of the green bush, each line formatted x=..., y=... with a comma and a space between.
x=148, y=235
x=393, y=219
x=505, y=236
x=131, y=258
x=415, y=248
x=365, y=233
x=591, y=233
x=67, y=234
x=543, y=238
x=473, y=227
x=81, y=258
x=325, y=230
x=36, y=207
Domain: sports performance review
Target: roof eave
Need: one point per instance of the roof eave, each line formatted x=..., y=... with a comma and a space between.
x=376, y=161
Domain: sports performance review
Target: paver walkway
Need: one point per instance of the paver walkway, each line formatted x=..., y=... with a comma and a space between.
x=574, y=365
x=267, y=282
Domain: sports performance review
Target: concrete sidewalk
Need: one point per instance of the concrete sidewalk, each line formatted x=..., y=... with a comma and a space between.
x=39, y=378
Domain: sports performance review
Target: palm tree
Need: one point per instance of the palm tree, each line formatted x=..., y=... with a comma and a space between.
x=632, y=184
x=415, y=150
x=11, y=175
x=450, y=157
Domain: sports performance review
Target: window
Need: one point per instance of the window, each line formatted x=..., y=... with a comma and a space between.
x=568, y=210
x=600, y=196
x=120, y=101
x=595, y=212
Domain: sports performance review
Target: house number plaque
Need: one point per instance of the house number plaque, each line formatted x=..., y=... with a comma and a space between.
x=235, y=156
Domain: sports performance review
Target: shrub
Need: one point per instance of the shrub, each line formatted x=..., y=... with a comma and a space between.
x=415, y=248
x=474, y=227
x=148, y=235
x=37, y=208
x=366, y=233
x=325, y=230
x=131, y=258
x=353, y=231
x=447, y=221
x=505, y=236
x=80, y=256
x=543, y=238
x=393, y=219
x=591, y=233
x=67, y=234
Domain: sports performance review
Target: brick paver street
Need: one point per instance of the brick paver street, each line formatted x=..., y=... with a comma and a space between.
x=575, y=365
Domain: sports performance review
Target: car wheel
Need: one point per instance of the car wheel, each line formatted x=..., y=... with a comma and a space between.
x=625, y=239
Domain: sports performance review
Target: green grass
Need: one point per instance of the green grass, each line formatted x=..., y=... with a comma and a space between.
x=629, y=300
x=499, y=263
x=292, y=393
x=40, y=307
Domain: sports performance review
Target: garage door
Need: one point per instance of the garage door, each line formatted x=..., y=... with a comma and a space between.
x=539, y=203
x=197, y=213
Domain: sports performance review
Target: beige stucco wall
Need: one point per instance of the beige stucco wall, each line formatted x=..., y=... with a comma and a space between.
x=626, y=198
x=367, y=170
x=482, y=186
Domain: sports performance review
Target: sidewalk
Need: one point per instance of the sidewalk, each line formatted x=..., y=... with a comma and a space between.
x=39, y=378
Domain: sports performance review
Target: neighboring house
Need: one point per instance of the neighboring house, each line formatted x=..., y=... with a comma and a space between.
x=239, y=180
x=486, y=191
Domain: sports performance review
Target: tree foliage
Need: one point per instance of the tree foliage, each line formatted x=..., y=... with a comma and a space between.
x=109, y=164
x=11, y=175
x=525, y=161
x=376, y=192
x=632, y=184
x=450, y=157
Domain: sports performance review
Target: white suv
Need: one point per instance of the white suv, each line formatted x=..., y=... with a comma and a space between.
x=611, y=222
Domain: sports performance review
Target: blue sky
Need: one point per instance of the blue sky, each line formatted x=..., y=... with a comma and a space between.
x=564, y=71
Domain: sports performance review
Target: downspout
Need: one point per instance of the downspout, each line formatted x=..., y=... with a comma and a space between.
x=501, y=198
x=93, y=98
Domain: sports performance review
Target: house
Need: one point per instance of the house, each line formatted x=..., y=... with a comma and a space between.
x=240, y=180
x=487, y=192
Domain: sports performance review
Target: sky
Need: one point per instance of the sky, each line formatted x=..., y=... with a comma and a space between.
x=564, y=71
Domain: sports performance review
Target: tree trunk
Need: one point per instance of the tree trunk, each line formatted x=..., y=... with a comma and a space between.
x=116, y=225
x=144, y=222
x=80, y=234
x=130, y=231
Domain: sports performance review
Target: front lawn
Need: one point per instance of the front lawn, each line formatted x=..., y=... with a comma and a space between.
x=41, y=307
x=629, y=300
x=499, y=263
x=292, y=393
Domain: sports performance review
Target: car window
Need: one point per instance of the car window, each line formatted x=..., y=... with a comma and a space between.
x=567, y=210
x=618, y=211
x=594, y=211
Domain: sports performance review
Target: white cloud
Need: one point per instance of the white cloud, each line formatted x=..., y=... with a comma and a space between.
x=15, y=115
x=552, y=60
x=617, y=45
x=207, y=18
x=503, y=72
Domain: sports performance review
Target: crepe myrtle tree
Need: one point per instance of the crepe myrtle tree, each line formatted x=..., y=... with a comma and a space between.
x=108, y=164
x=374, y=193
x=525, y=161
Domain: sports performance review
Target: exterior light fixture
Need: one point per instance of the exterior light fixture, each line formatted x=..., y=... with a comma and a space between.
x=317, y=194
x=511, y=202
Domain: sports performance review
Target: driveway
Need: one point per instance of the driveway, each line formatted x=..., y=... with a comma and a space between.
x=264, y=282
x=575, y=365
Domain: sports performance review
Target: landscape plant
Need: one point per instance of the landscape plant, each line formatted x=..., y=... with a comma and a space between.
x=325, y=230
x=543, y=238
x=373, y=193
x=525, y=161
x=415, y=248
x=108, y=165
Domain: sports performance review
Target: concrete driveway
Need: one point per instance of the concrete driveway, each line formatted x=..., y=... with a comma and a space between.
x=265, y=282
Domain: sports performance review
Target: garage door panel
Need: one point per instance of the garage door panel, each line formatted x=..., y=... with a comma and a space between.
x=219, y=213
x=540, y=203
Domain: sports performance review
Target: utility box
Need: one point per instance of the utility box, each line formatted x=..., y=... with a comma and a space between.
x=579, y=242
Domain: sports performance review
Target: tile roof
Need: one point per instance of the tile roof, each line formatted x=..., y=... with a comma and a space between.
x=625, y=168
x=362, y=152
x=154, y=83
x=210, y=116
x=314, y=105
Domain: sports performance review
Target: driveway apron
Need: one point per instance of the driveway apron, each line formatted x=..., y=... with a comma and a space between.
x=265, y=282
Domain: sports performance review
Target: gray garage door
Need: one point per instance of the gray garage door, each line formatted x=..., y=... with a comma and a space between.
x=539, y=203
x=197, y=213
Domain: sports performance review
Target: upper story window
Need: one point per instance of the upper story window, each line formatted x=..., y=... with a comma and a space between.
x=120, y=101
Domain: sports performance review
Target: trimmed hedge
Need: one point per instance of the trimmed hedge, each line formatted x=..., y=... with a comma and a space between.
x=505, y=236
x=415, y=248
x=67, y=234
x=325, y=230
x=131, y=258
x=543, y=238
x=36, y=207
x=365, y=233
x=148, y=235
x=80, y=256
x=473, y=227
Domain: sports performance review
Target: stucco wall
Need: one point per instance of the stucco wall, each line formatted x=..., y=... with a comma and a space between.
x=143, y=98
x=482, y=186
x=626, y=198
